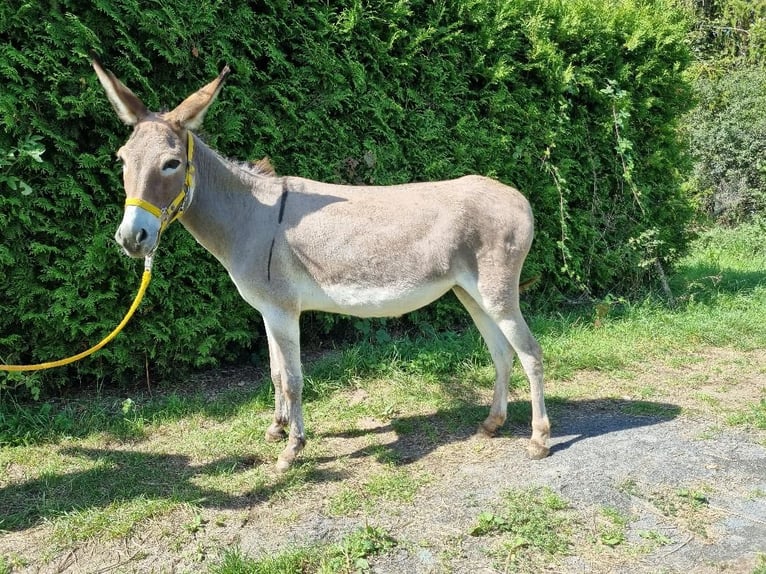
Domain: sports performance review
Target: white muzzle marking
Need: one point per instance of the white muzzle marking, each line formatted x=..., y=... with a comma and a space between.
x=139, y=232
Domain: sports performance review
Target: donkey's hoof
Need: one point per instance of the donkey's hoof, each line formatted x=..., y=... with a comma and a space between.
x=491, y=424
x=485, y=431
x=536, y=451
x=283, y=465
x=275, y=433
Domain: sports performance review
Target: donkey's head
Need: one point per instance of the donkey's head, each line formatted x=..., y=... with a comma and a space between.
x=156, y=160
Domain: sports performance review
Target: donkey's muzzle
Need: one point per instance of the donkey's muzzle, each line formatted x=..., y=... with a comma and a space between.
x=139, y=232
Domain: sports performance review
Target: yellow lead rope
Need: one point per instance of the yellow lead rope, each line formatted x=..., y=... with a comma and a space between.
x=141, y=290
x=166, y=216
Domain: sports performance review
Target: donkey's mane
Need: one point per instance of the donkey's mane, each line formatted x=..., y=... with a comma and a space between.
x=260, y=167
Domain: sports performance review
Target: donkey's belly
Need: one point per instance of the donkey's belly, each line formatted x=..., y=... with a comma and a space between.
x=373, y=301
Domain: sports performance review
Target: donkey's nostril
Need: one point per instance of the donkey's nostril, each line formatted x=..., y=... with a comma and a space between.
x=141, y=236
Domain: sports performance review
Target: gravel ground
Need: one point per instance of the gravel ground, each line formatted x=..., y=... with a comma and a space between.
x=673, y=471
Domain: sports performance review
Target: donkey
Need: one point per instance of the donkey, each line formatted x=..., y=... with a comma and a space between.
x=291, y=245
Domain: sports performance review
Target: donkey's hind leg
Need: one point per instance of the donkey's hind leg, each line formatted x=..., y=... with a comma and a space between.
x=530, y=355
x=501, y=308
x=502, y=356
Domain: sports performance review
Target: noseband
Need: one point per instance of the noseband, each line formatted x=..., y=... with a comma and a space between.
x=175, y=209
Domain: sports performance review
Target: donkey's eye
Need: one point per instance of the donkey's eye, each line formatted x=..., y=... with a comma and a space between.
x=170, y=165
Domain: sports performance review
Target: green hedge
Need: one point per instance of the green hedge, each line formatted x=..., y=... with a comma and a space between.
x=573, y=102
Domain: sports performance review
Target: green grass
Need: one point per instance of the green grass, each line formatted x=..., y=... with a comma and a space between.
x=349, y=556
x=755, y=417
x=114, y=520
x=392, y=484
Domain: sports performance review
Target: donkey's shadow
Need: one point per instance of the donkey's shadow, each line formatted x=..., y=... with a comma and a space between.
x=120, y=475
x=576, y=420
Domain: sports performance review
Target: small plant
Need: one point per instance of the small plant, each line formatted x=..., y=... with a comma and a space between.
x=489, y=523
x=349, y=556
x=533, y=523
x=611, y=531
x=352, y=554
x=196, y=524
x=629, y=486
x=656, y=537
x=695, y=498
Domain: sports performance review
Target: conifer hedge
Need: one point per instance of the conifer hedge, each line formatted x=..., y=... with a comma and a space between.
x=574, y=102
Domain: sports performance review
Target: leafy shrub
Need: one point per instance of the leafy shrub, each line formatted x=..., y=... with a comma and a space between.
x=575, y=103
x=727, y=131
x=728, y=33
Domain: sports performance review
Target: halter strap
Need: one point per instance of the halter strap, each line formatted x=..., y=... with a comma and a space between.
x=175, y=209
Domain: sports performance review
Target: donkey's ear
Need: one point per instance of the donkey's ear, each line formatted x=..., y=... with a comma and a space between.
x=190, y=113
x=127, y=105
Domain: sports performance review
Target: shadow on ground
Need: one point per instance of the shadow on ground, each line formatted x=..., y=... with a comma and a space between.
x=122, y=475
x=578, y=420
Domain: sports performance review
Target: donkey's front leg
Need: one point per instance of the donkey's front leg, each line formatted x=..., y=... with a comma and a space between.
x=276, y=431
x=284, y=346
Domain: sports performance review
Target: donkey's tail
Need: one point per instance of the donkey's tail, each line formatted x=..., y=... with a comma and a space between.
x=528, y=283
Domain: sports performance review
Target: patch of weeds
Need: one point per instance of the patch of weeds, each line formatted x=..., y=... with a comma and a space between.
x=534, y=524
x=349, y=556
x=116, y=520
x=688, y=505
x=393, y=484
x=346, y=501
x=760, y=568
x=670, y=504
x=655, y=537
x=611, y=527
x=196, y=524
x=11, y=562
x=694, y=497
x=754, y=418
x=234, y=561
x=629, y=486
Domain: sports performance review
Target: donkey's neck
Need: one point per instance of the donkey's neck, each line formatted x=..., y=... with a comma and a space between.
x=227, y=205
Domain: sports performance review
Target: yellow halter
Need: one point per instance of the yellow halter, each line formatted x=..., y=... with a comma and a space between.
x=176, y=207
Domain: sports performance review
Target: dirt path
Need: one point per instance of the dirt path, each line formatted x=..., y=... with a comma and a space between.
x=690, y=490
